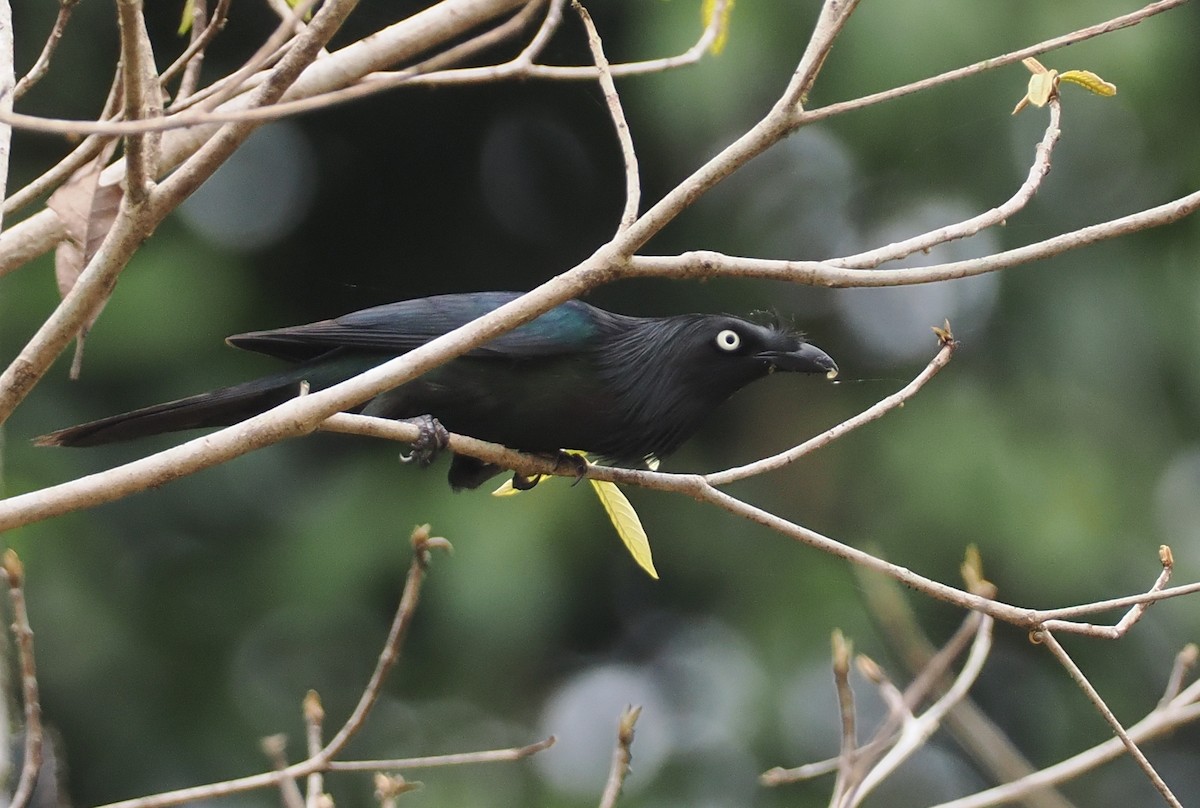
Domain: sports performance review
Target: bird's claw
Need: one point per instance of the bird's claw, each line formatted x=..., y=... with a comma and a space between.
x=523, y=483
x=430, y=442
x=577, y=464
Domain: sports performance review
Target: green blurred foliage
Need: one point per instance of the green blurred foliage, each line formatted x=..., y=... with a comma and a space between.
x=176, y=628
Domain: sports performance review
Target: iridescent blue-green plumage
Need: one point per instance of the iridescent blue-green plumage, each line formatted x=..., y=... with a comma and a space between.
x=577, y=377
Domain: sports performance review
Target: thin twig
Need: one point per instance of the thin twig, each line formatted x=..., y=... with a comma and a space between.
x=192, y=58
x=275, y=748
x=1161, y=721
x=1185, y=663
x=42, y=65
x=365, y=86
x=831, y=20
x=490, y=38
x=550, y=23
x=61, y=171
x=965, y=229
x=14, y=576
x=872, y=413
x=268, y=779
x=708, y=264
x=136, y=221
x=248, y=77
x=7, y=80
x=1130, y=618
x=1013, y=57
x=914, y=734
x=283, y=10
x=281, y=38
x=990, y=747
x=1047, y=638
x=842, y=653
x=314, y=718
x=622, y=755
x=422, y=545
x=435, y=761
x=633, y=185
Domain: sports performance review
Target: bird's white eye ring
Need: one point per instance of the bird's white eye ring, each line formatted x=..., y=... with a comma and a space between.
x=728, y=340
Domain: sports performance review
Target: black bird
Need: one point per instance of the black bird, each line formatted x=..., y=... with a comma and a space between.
x=577, y=377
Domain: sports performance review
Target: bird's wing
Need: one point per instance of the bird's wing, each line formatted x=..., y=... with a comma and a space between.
x=396, y=328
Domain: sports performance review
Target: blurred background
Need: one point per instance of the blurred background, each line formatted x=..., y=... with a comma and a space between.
x=178, y=627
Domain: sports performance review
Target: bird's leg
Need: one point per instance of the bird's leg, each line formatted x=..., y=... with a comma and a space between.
x=575, y=463
x=433, y=438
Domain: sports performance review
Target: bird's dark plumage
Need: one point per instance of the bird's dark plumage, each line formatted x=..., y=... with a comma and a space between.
x=577, y=377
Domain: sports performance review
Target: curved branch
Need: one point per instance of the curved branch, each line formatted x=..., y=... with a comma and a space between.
x=708, y=264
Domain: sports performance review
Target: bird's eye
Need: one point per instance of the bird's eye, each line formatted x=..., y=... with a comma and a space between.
x=729, y=340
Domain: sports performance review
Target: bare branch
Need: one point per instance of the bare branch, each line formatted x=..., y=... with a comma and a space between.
x=14, y=576
x=427, y=73
x=992, y=750
x=831, y=20
x=501, y=33
x=633, y=185
x=400, y=42
x=270, y=52
x=138, y=216
x=1108, y=26
x=274, y=746
x=965, y=229
x=422, y=545
x=191, y=60
x=914, y=734
x=622, y=755
x=490, y=756
x=269, y=779
x=1047, y=638
x=7, y=77
x=708, y=264
x=842, y=652
x=314, y=717
x=320, y=760
x=142, y=101
x=872, y=413
x=1161, y=721
x=1185, y=662
x=80, y=155
x=42, y=65
x=1127, y=621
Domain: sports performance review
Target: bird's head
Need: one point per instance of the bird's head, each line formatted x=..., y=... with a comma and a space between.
x=664, y=376
x=737, y=350
x=697, y=358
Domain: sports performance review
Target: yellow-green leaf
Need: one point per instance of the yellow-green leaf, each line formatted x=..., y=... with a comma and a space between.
x=185, y=24
x=625, y=520
x=1089, y=80
x=1042, y=87
x=706, y=13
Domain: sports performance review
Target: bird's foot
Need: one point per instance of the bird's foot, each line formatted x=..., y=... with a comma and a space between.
x=430, y=442
x=572, y=462
x=523, y=483
x=564, y=463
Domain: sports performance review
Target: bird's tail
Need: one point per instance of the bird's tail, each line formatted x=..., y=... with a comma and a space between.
x=222, y=407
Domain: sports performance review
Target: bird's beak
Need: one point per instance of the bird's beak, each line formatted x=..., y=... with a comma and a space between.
x=805, y=359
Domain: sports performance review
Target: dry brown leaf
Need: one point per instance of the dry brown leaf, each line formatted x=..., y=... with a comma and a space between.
x=87, y=210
